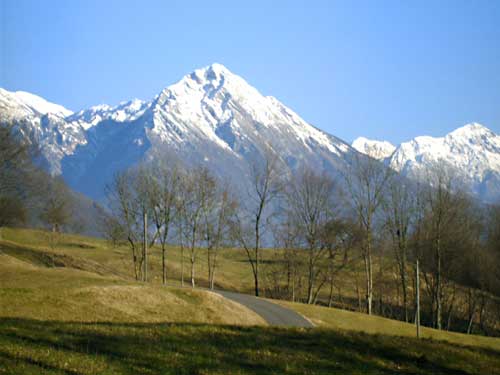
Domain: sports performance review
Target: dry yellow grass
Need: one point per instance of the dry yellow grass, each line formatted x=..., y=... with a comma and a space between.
x=354, y=321
x=65, y=294
x=104, y=278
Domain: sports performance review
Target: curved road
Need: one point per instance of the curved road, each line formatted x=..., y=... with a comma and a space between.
x=272, y=313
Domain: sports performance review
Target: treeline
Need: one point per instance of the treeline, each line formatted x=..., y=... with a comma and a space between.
x=369, y=222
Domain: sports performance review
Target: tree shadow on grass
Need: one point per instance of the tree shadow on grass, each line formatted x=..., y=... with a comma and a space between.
x=137, y=348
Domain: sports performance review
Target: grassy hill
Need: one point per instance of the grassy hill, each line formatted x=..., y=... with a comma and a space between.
x=71, y=307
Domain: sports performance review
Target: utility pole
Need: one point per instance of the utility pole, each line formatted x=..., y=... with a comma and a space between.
x=417, y=318
x=145, y=246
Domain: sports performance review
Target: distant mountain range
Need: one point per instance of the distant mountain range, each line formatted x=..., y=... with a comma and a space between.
x=215, y=118
x=471, y=152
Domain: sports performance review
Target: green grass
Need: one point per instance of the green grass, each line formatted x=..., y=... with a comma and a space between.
x=352, y=321
x=74, y=308
x=33, y=347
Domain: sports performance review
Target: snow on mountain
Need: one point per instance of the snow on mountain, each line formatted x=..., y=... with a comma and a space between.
x=214, y=104
x=376, y=149
x=471, y=153
x=210, y=117
x=22, y=104
x=43, y=123
x=125, y=111
x=215, y=118
x=41, y=105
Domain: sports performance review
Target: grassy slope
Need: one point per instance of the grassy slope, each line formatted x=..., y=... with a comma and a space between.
x=33, y=347
x=352, y=321
x=89, y=317
x=30, y=289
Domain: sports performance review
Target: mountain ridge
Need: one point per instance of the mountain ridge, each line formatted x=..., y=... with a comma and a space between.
x=210, y=117
x=213, y=117
x=471, y=152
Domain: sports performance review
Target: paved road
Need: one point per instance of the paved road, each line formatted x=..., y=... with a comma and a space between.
x=272, y=313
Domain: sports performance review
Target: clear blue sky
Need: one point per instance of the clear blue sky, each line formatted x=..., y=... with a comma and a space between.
x=384, y=69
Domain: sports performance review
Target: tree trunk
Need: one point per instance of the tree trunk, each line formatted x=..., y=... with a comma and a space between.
x=182, y=265
x=163, y=265
x=472, y=310
x=330, y=298
x=450, y=310
x=256, y=250
x=209, y=264
x=310, y=285
x=417, y=297
x=145, y=247
x=192, y=268
x=404, y=286
x=369, y=282
x=358, y=292
x=439, y=302
x=256, y=286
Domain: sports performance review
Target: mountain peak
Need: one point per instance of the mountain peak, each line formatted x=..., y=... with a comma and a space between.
x=32, y=102
x=376, y=149
x=471, y=130
x=213, y=86
x=218, y=69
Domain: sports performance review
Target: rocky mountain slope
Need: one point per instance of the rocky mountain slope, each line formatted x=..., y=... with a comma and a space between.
x=213, y=117
x=210, y=117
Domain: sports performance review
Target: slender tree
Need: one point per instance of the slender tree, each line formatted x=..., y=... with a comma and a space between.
x=339, y=237
x=443, y=227
x=255, y=216
x=310, y=199
x=400, y=210
x=164, y=193
x=198, y=194
x=366, y=180
x=130, y=201
x=217, y=216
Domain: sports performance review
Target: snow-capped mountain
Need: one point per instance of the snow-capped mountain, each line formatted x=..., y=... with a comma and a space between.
x=215, y=118
x=211, y=117
x=471, y=152
x=376, y=149
x=44, y=123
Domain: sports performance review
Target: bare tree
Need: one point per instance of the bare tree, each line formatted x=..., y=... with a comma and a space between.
x=164, y=192
x=310, y=200
x=130, y=202
x=366, y=180
x=442, y=229
x=217, y=217
x=339, y=237
x=400, y=210
x=57, y=208
x=287, y=240
x=250, y=227
x=111, y=229
x=198, y=193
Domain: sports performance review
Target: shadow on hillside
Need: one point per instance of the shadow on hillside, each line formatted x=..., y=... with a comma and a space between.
x=191, y=349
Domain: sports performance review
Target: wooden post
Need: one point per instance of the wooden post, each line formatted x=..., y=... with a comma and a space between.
x=417, y=318
x=145, y=272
